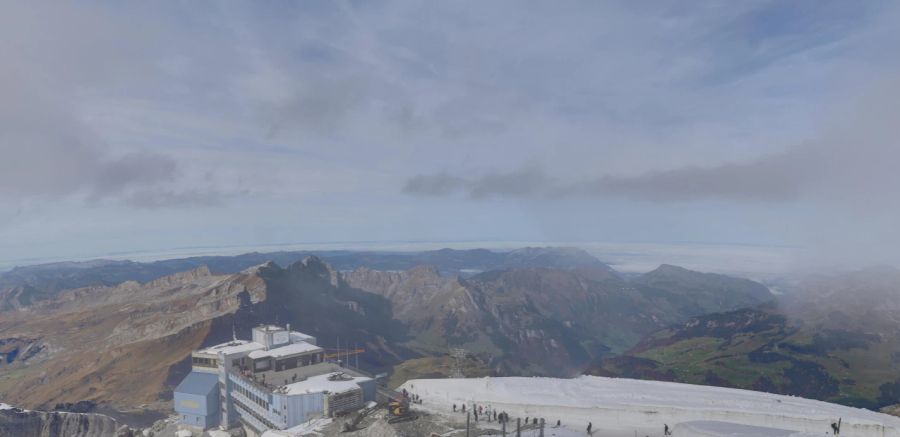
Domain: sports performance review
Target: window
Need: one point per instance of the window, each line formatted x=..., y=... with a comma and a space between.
x=203, y=362
x=261, y=365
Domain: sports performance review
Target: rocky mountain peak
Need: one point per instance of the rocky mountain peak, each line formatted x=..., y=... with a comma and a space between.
x=182, y=277
x=316, y=266
x=553, y=257
x=424, y=270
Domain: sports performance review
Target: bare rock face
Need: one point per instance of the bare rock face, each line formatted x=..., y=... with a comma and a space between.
x=115, y=344
x=409, y=291
x=23, y=423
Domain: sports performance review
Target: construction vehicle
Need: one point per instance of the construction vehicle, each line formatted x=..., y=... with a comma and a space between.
x=353, y=424
x=398, y=410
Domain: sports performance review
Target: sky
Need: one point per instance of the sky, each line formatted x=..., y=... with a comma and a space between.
x=131, y=127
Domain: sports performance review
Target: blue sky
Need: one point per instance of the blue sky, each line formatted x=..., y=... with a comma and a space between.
x=144, y=127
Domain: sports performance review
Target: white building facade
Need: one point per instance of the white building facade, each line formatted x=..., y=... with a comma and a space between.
x=278, y=380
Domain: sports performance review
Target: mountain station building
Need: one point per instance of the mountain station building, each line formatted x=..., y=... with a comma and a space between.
x=279, y=380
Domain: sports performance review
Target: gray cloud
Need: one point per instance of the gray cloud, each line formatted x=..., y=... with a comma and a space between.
x=317, y=111
x=529, y=181
x=136, y=169
x=768, y=179
x=48, y=147
x=47, y=150
x=853, y=161
x=152, y=199
x=440, y=184
x=772, y=179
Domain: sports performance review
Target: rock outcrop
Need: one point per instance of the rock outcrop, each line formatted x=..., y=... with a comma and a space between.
x=16, y=422
x=115, y=344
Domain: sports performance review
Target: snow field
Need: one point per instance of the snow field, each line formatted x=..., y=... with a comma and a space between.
x=625, y=407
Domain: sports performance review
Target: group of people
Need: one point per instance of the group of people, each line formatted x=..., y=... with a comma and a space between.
x=480, y=412
x=413, y=398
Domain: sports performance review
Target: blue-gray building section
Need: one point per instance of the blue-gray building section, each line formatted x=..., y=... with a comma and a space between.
x=197, y=400
x=368, y=389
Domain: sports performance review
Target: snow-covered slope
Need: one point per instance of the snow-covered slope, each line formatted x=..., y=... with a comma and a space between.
x=725, y=429
x=625, y=406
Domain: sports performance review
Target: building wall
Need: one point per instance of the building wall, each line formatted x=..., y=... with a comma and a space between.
x=188, y=403
x=201, y=422
x=229, y=416
x=198, y=410
x=300, y=408
x=247, y=416
x=250, y=396
x=336, y=403
x=284, y=411
x=369, y=389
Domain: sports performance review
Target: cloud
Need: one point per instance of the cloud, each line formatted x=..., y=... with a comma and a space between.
x=853, y=160
x=526, y=182
x=152, y=199
x=313, y=113
x=770, y=179
x=48, y=146
x=440, y=184
x=48, y=151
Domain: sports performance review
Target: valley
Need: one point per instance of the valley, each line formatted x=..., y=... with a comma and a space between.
x=833, y=338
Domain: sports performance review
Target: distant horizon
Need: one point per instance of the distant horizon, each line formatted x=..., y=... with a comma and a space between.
x=624, y=256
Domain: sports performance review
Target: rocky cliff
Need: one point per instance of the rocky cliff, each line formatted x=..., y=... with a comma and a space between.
x=15, y=422
x=115, y=344
x=127, y=346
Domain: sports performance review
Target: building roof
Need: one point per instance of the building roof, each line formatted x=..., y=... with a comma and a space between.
x=198, y=383
x=232, y=347
x=286, y=350
x=299, y=336
x=321, y=383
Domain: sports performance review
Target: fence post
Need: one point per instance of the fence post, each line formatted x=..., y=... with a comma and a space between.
x=468, y=416
x=542, y=428
x=518, y=427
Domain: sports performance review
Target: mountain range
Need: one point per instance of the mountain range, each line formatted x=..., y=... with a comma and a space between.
x=117, y=334
x=831, y=337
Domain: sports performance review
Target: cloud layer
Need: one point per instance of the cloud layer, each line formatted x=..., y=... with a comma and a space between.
x=155, y=125
x=853, y=160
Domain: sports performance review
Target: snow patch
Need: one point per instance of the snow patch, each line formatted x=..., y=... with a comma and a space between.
x=724, y=429
x=624, y=406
